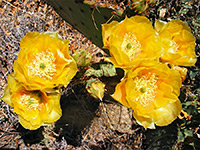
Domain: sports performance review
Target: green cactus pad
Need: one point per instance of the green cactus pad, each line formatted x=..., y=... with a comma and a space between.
x=94, y=72
x=108, y=70
x=105, y=69
x=86, y=18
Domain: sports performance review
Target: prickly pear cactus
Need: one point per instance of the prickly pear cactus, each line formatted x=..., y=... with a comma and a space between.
x=85, y=17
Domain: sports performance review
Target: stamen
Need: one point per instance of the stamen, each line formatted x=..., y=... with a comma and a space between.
x=146, y=87
x=31, y=101
x=43, y=65
x=130, y=45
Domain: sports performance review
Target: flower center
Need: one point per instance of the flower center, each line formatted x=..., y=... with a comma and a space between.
x=43, y=65
x=130, y=45
x=173, y=47
x=32, y=100
x=146, y=87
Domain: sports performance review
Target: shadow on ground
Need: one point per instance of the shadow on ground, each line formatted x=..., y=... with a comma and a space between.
x=78, y=109
x=162, y=137
x=30, y=136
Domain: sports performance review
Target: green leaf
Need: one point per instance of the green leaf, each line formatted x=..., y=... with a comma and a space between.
x=187, y=103
x=180, y=136
x=193, y=74
x=187, y=6
x=188, y=132
x=195, y=24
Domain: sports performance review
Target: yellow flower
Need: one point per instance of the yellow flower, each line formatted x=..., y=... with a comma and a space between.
x=44, y=61
x=34, y=108
x=151, y=89
x=131, y=41
x=178, y=43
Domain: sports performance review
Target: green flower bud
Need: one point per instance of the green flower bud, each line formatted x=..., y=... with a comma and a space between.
x=96, y=88
x=82, y=57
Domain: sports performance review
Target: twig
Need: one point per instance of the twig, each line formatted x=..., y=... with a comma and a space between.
x=11, y=4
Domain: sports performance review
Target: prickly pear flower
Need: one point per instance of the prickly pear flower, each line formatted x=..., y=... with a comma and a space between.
x=34, y=108
x=177, y=41
x=151, y=89
x=44, y=61
x=131, y=41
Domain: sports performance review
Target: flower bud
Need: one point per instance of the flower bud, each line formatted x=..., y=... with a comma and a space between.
x=96, y=88
x=82, y=57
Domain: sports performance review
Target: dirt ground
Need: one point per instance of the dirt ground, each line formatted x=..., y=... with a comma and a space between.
x=86, y=123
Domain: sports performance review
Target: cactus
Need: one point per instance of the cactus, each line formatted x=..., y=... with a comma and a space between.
x=85, y=17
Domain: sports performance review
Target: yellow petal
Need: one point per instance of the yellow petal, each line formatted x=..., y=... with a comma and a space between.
x=13, y=86
x=159, y=25
x=28, y=124
x=185, y=37
x=161, y=100
x=146, y=122
x=106, y=32
x=120, y=94
x=27, y=40
x=121, y=58
x=53, y=108
x=167, y=90
x=7, y=96
x=53, y=116
x=140, y=19
x=165, y=115
x=179, y=23
x=182, y=71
